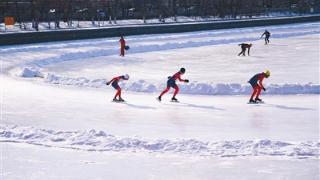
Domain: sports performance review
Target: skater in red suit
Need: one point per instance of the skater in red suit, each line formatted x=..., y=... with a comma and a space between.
x=256, y=83
x=171, y=83
x=122, y=46
x=114, y=82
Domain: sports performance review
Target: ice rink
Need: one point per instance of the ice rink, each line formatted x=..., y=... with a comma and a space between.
x=63, y=124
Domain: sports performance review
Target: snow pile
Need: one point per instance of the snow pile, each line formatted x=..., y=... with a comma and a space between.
x=293, y=89
x=137, y=86
x=93, y=140
x=30, y=72
x=238, y=89
x=191, y=88
x=140, y=86
x=80, y=81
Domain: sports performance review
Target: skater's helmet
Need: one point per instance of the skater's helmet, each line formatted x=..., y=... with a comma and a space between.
x=183, y=70
x=267, y=73
x=126, y=76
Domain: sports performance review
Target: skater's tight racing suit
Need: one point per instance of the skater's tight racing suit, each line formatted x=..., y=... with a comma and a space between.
x=258, y=78
x=116, y=86
x=172, y=83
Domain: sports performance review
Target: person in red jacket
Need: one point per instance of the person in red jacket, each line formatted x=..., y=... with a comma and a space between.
x=256, y=83
x=122, y=46
x=171, y=83
x=114, y=82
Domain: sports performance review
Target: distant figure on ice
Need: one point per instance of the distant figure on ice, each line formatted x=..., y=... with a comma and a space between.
x=115, y=85
x=256, y=83
x=245, y=46
x=122, y=46
x=171, y=83
x=266, y=35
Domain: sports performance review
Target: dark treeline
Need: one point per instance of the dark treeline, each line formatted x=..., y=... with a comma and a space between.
x=112, y=10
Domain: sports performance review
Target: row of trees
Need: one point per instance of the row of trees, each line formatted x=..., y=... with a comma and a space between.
x=111, y=10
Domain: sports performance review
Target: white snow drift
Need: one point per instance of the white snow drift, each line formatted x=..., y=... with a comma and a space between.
x=191, y=88
x=30, y=72
x=93, y=140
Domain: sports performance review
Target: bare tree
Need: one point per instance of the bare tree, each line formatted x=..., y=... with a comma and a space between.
x=92, y=10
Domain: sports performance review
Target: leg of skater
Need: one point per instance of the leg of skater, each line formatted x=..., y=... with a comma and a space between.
x=255, y=90
x=176, y=91
x=118, y=94
x=258, y=94
x=242, y=52
x=242, y=48
x=116, y=86
x=163, y=92
x=122, y=52
x=265, y=41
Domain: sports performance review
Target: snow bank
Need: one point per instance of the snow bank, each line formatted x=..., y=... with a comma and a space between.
x=30, y=72
x=94, y=140
x=191, y=88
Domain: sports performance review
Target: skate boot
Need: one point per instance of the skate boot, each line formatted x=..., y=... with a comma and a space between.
x=258, y=99
x=252, y=101
x=159, y=98
x=121, y=100
x=173, y=99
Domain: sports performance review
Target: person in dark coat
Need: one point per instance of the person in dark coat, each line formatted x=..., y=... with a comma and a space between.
x=266, y=35
x=244, y=47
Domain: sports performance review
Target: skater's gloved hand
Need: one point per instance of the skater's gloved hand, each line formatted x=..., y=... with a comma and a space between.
x=187, y=80
x=264, y=89
x=107, y=83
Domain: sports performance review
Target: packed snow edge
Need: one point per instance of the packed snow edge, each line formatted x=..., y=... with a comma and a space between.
x=190, y=88
x=93, y=140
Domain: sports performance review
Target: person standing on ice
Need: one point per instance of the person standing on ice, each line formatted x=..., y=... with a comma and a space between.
x=244, y=46
x=122, y=46
x=256, y=83
x=114, y=83
x=171, y=83
x=266, y=35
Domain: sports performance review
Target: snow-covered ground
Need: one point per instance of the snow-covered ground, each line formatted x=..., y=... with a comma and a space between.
x=58, y=121
x=33, y=162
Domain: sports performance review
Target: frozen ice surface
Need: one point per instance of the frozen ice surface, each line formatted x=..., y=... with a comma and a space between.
x=64, y=125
